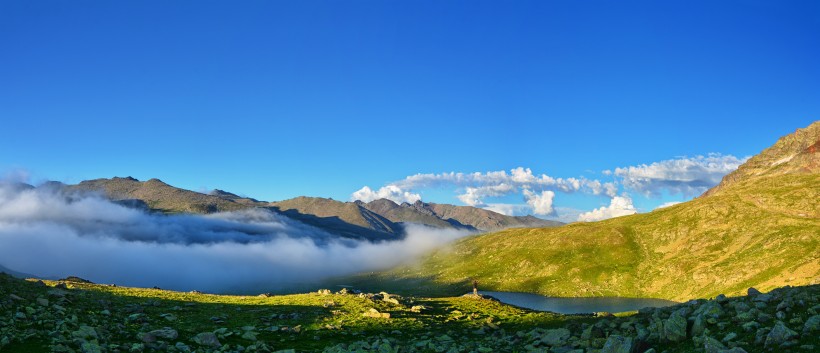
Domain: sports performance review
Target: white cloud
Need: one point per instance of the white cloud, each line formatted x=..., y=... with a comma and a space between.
x=509, y=209
x=686, y=176
x=390, y=192
x=477, y=186
x=618, y=206
x=667, y=204
x=541, y=203
x=472, y=196
x=44, y=233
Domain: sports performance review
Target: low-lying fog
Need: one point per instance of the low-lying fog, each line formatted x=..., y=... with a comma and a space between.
x=44, y=233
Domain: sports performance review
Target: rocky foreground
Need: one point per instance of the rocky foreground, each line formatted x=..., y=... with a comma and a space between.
x=71, y=316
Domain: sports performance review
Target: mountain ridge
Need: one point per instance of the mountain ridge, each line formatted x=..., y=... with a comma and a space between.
x=377, y=220
x=758, y=228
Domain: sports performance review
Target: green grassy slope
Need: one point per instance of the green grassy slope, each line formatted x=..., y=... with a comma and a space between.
x=761, y=229
x=85, y=317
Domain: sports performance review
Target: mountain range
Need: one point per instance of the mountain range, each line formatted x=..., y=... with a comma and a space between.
x=379, y=219
x=760, y=227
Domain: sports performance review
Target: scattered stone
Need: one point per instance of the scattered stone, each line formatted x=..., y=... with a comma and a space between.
x=711, y=345
x=85, y=332
x=752, y=292
x=698, y=326
x=207, y=339
x=165, y=333
x=733, y=350
x=812, y=324
x=393, y=301
x=729, y=337
x=249, y=335
x=16, y=297
x=376, y=314
x=750, y=326
x=91, y=347
x=418, y=308
x=182, y=347
x=555, y=337
x=710, y=310
x=675, y=327
x=762, y=298
x=617, y=344
x=778, y=335
x=218, y=319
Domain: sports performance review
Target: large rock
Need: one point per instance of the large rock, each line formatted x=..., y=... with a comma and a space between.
x=165, y=333
x=556, y=337
x=812, y=324
x=85, y=332
x=674, y=328
x=733, y=350
x=207, y=339
x=618, y=344
x=778, y=335
x=698, y=326
x=711, y=309
x=376, y=314
x=711, y=345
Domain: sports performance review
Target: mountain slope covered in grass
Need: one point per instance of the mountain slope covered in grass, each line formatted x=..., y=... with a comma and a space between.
x=71, y=316
x=760, y=227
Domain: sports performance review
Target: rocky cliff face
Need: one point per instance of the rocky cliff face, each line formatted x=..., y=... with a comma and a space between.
x=797, y=153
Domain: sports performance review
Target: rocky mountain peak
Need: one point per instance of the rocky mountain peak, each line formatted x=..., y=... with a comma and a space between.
x=798, y=152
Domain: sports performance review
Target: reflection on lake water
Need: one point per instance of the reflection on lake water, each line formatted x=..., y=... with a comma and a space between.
x=576, y=305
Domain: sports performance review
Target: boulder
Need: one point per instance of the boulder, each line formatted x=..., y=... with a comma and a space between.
x=165, y=333
x=618, y=344
x=778, y=335
x=376, y=314
x=674, y=328
x=733, y=350
x=85, y=332
x=711, y=345
x=710, y=310
x=555, y=337
x=698, y=326
x=812, y=324
x=207, y=339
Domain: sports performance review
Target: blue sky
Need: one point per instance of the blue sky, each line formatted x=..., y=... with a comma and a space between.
x=276, y=99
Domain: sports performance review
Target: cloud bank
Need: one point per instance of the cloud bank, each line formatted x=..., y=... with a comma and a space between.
x=687, y=176
x=618, y=206
x=48, y=234
x=537, y=191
